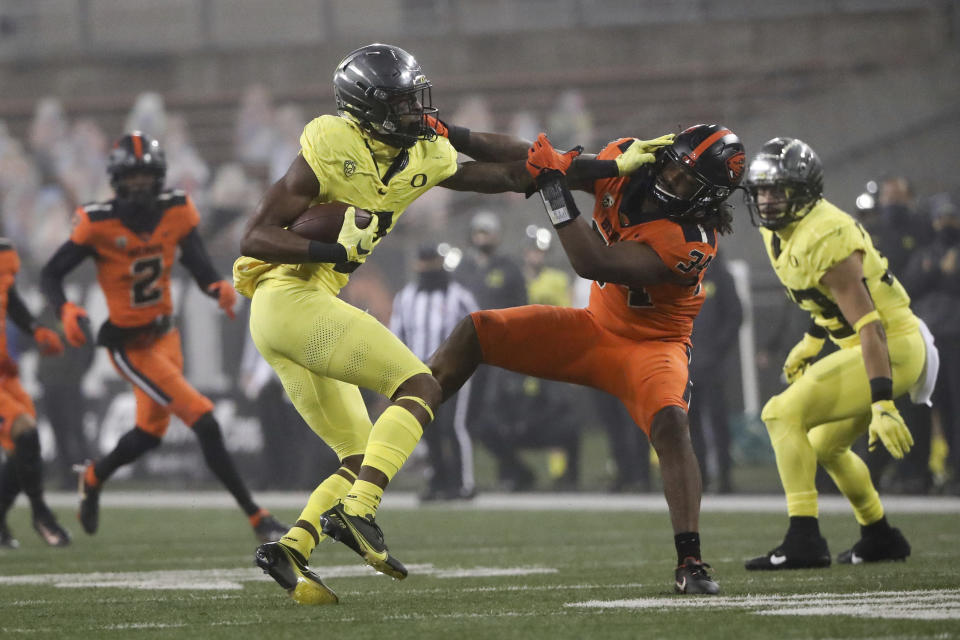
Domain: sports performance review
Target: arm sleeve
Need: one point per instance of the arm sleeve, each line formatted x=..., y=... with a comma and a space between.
x=65, y=260
x=18, y=312
x=194, y=257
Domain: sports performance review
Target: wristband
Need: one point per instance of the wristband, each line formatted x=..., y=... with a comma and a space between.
x=873, y=316
x=459, y=137
x=561, y=209
x=326, y=252
x=817, y=331
x=881, y=389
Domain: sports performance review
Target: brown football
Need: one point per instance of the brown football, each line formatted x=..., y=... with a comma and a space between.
x=323, y=221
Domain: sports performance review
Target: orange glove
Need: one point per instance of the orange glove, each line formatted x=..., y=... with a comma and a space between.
x=48, y=341
x=542, y=157
x=437, y=125
x=8, y=367
x=72, y=315
x=226, y=296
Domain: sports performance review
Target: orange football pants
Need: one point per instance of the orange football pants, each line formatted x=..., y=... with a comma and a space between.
x=569, y=345
x=156, y=372
x=14, y=402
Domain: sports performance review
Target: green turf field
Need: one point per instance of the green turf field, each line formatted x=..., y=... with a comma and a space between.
x=474, y=573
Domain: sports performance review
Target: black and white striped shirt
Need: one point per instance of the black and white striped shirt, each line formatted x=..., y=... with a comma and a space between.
x=423, y=318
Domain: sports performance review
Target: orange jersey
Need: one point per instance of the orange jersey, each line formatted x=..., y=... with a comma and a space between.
x=9, y=266
x=658, y=312
x=134, y=269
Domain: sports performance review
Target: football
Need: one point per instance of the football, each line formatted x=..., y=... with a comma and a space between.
x=322, y=222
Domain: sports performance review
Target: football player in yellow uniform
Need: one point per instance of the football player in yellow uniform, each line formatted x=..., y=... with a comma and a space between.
x=830, y=268
x=384, y=149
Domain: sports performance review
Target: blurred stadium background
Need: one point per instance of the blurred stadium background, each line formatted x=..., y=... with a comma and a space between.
x=227, y=85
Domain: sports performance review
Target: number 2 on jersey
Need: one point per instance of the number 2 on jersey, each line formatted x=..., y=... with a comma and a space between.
x=146, y=272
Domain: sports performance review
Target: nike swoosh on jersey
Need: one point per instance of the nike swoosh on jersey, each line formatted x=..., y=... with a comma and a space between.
x=777, y=560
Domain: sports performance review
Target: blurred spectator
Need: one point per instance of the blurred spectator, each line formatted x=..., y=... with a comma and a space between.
x=232, y=196
x=496, y=282
x=933, y=281
x=288, y=124
x=254, y=134
x=495, y=279
x=50, y=215
x=545, y=285
x=48, y=134
x=899, y=228
x=570, y=123
x=186, y=168
x=715, y=337
x=82, y=165
x=425, y=313
x=149, y=116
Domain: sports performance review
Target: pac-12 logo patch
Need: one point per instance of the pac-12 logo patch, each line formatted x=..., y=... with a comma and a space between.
x=607, y=201
x=735, y=164
x=349, y=168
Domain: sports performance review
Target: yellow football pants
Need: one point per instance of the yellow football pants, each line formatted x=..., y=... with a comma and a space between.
x=819, y=417
x=323, y=349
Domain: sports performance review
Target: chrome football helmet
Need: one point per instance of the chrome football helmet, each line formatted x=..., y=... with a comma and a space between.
x=383, y=88
x=784, y=181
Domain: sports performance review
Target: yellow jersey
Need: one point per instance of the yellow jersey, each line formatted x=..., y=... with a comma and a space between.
x=804, y=251
x=350, y=166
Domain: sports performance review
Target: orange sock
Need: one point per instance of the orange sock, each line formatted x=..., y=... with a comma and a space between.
x=257, y=517
x=90, y=478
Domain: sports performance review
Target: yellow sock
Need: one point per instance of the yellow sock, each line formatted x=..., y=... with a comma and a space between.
x=363, y=499
x=393, y=438
x=305, y=534
x=803, y=504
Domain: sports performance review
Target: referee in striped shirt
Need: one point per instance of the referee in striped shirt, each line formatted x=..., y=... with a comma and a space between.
x=424, y=314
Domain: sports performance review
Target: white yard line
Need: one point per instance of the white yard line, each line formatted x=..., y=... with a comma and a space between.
x=765, y=503
x=929, y=604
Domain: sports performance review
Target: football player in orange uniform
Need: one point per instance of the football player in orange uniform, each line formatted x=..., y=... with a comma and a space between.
x=23, y=470
x=658, y=223
x=134, y=239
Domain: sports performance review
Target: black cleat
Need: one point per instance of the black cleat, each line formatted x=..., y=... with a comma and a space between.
x=892, y=546
x=7, y=541
x=364, y=537
x=269, y=529
x=50, y=530
x=290, y=570
x=89, y=512
x=795, y=553
x=692, y=577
